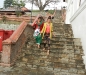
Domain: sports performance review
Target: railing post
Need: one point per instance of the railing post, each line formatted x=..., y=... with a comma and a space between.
x=6, y=53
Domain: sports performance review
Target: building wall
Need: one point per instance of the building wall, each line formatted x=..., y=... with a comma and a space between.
x=82, y=1
x=72, y=7
x=76, y=16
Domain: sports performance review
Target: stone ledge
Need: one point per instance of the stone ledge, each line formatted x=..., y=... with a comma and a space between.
x=8, y=65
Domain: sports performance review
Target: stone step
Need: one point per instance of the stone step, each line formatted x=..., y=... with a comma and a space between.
x=68, y=33
x=69, y=43
x=77, y=43
x=77, y=51
x=65, y=56
x=59, y=35
x=69, y=36
x=74, y=39
x=58, y=42
x=78, y=47
x=57, y=26
x=67, y=26
x=56, y=45
x=58, y=39
x=57, y=21
x=59, y=48
x=59, y=31
x=68, y=30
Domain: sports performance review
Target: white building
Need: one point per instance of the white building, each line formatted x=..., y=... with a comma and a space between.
x=76, y=16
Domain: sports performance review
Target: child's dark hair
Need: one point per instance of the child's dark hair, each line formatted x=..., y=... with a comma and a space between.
x=51, y=17
x=41, y=18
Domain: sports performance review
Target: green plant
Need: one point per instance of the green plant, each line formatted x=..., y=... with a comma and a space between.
x=4, y=18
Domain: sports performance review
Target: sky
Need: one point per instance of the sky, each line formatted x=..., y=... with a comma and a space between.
x=29, y=6
x=51, y=6
x=1, y=3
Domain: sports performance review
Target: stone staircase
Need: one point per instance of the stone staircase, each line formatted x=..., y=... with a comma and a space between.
x=65, y=56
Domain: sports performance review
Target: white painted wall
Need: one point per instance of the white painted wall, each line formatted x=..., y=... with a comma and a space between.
x=76, y=16
x=82, y=1
x=72, y=7
x=78, y=22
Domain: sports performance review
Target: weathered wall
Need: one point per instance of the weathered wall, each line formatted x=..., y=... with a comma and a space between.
x=13, y=45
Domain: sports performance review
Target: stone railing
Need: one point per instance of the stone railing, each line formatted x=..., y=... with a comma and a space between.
x=13, y=45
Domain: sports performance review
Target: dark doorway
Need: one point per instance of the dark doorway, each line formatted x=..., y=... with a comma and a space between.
x=63, y=0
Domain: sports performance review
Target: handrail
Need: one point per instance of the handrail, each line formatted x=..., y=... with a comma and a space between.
x=35, y=20
x=14, y=37
x=13, y=45
x=19, y=31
